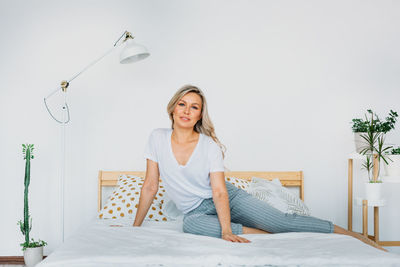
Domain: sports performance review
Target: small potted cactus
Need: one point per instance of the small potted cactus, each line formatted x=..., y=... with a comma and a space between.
x=33, y=250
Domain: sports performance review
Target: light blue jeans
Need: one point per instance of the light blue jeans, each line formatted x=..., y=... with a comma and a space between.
x=249, y=211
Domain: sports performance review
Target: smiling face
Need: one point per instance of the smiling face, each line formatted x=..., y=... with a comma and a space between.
x=187, y=111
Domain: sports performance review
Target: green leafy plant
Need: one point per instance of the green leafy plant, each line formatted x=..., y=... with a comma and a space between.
x=362, y=125
x=374, y=147
x=26, y=224
x=395, y=151
x=359, y=126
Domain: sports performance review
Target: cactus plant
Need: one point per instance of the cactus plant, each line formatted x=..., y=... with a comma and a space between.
x=26, y=224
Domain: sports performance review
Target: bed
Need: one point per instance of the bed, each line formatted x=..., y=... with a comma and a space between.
x=114, y=242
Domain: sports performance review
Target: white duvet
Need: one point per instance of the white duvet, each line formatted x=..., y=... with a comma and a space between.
x=164, y=244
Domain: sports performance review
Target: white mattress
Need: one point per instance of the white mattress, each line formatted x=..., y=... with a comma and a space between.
x=164, y=244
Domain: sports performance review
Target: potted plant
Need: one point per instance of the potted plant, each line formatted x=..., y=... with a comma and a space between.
x=360, y=126
x=375, y=151
x=393, y=168
x=33, y=250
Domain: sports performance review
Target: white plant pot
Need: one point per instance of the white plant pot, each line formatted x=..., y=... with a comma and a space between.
x=33, y=256
x=373, y=191
x=393, y=169
x=359, y=142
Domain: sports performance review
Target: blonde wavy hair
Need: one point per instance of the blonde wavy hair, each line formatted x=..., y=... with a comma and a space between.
x=204, y=125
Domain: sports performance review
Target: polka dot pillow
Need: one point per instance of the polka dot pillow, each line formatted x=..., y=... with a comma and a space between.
x=239, y=183
x=124, y=201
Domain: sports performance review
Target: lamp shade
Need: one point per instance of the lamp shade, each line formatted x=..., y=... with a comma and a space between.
x=132, y=52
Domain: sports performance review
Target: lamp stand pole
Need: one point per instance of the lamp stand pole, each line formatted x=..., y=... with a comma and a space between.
x=65, y=119
x=63, y=161
x=134, y=53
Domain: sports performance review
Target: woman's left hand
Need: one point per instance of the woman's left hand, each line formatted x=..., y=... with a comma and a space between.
x=234, y=238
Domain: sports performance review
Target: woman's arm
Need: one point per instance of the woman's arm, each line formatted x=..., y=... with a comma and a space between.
x=148, y=191
x=221, y=202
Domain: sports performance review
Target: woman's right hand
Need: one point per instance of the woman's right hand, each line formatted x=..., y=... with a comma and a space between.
x=234, y=238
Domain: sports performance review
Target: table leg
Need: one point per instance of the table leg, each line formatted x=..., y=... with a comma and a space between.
x=376, y=224
x=365, y=217
x=350, y=196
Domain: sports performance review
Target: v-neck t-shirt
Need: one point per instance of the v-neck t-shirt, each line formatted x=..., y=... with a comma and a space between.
x=187, y=185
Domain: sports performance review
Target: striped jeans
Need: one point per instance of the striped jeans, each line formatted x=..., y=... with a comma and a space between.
x=249, y=211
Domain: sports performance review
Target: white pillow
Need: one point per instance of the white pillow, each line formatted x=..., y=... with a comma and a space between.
x=277, y=196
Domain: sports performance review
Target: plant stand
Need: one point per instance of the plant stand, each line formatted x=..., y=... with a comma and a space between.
x=365, y=204
x=372, y=203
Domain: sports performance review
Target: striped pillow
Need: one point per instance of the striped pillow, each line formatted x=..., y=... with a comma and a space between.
x=277, y=196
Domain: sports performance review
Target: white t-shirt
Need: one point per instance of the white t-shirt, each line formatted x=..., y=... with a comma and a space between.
x=186, y=185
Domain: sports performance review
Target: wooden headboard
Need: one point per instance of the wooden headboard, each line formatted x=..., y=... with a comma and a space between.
x=292, y=178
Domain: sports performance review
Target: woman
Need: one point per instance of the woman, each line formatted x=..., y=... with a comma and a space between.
x=189, y=158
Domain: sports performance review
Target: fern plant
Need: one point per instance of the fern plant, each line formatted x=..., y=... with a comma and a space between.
x=26, y=224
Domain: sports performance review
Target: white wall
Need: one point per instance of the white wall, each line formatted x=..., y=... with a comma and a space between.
x=283, y=81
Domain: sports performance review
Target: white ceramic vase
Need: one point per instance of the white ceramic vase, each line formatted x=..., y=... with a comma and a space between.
x=33, y=256
x=393, y=169
x=373, y=191
x=359, y=141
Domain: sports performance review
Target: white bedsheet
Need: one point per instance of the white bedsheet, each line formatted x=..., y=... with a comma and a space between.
x=164, y=244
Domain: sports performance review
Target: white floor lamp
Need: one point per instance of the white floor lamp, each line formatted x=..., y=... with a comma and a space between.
x=132, y=52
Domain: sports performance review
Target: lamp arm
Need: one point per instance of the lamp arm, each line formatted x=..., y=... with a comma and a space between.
x=116, y=44
x=91, y=64
x=127, y=36
x=64, y=84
